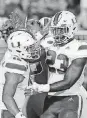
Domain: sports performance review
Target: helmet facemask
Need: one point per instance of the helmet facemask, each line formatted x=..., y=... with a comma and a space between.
x=60, y=34
x=34, y=51
x=24, y=45
x=63, y=27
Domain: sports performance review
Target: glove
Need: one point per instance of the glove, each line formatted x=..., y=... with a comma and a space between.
x=20, y=115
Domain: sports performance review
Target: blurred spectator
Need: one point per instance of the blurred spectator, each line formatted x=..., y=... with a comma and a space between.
x=14, y=7
x=82, y=19
x=25, y=4
x=3, y=48
x=3, y=45
x=2, y=20
x=74, y=6
x=12, y=1
x=43, y=8
x=2, y=7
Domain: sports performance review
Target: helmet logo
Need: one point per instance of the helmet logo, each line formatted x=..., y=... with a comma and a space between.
x=45, y=21
x=73, y=21
x=57, y=18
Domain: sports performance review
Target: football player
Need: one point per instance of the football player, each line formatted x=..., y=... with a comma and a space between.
x=66, y=58
x=15, y=68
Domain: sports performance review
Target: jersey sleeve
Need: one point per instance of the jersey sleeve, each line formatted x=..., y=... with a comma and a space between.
x=14, y=64
x=76, y=50
x=82, y=51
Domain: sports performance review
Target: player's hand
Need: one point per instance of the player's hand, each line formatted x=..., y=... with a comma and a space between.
x=31, y=89
x=37, y=88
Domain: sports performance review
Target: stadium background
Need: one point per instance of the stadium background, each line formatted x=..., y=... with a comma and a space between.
x=37, y=9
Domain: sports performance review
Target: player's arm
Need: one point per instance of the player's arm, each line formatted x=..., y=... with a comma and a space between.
x=71, y=76
x=11, y=82
x=73, y=72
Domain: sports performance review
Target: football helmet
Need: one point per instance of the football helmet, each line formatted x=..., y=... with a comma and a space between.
x=22, y=44
x=63, y=27
x=44, y=21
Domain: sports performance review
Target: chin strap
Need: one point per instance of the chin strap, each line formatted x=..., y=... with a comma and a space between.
x=62, y=43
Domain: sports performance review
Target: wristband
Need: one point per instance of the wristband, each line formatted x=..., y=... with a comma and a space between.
x=20, y=115
x=44, y=88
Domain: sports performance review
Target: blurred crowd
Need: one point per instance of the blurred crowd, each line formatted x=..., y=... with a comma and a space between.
x=36, y=9
x=39, y=8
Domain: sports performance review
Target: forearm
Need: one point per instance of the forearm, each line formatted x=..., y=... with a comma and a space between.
x=71, y=76
x=65, y=84
x=10, y=87
x=55, y=87
x=10, y=104
x=24, y=109
x=59, y=86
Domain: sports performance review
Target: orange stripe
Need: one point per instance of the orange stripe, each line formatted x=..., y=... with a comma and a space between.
x=16, y=66
x=82, y=47
x=56, y=18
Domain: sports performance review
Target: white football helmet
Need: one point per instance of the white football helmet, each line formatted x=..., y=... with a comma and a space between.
x=63, y=27
x=44, y=21
x=22, y=44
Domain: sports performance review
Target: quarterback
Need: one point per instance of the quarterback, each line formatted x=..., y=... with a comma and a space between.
x=66, y=59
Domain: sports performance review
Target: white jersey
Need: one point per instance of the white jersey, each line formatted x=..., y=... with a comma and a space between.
x=4, y=67
x=59, y=59
x=13, y=63
x=19, y=95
